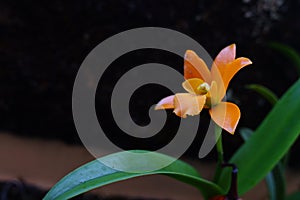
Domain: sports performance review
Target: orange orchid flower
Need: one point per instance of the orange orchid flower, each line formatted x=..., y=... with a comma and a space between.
x=206, y=88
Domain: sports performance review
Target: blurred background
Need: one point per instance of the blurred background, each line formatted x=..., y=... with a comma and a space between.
x=43, y=43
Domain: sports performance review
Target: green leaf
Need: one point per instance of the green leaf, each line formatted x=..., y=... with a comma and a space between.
x=268, y=144
x=275, y=179
x=265, y=92
x=276, y=183
x=294, y=196
x=246, y=133
x=289, y=52
x=95, y=174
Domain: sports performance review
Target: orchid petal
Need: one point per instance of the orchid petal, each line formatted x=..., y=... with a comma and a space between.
x=195, y=67
x=226, y=115
x=191, y=85
x=225, y=56
x=232, y=68
x=165, y=103
x=217, y=77
x=226, y=73
x=188, y=104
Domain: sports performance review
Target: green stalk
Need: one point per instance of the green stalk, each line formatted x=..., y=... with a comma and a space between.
x=219, y=146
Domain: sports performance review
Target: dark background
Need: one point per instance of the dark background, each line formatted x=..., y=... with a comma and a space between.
x=42, y=45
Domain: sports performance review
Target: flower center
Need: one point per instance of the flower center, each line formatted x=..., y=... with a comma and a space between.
x=203, y=88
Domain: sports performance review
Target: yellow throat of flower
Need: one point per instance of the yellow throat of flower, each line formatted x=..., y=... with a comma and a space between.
x=203, y=88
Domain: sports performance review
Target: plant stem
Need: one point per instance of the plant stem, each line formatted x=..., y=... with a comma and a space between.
x=233, y=190
x=219, y=145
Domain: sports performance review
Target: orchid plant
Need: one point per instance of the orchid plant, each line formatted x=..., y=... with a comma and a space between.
x=205, y=89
